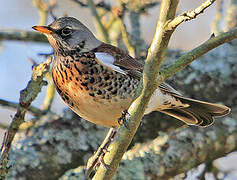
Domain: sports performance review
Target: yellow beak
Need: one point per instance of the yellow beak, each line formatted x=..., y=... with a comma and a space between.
x=43, y=29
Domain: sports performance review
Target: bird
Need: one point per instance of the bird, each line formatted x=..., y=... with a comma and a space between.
x=98, y=81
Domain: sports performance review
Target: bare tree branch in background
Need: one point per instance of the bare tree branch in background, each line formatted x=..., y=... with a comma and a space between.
x=21, y=35
x=26, y=97
x=13, y=105
x=216, y=24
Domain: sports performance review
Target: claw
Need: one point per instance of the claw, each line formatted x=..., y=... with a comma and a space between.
x=123, y=119
x=102, y=162
x=98, y=158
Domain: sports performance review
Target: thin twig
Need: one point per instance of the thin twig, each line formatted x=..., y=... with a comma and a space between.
x=13, y=105
x=215, y=26
x=26, y=97
x=50, y=94
x=189, y=57
x=98, y=21
x=21, y=35
x=43, y=9
x=100, y=4
x=189, y=15
x=126, y=39
x=3, y=125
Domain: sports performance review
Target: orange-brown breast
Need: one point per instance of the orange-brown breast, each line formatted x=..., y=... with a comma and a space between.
x=93, y=91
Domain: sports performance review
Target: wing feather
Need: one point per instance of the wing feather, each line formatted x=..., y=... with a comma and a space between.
x=108, y=61
x=119, y=59
x=121, y=62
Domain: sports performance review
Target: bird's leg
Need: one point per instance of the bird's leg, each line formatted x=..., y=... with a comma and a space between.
x=98, y=157
x=123, y=119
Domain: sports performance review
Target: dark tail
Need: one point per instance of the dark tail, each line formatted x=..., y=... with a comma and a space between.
x=199, y=113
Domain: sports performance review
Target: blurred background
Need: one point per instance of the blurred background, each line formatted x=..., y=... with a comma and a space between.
x=16, y=68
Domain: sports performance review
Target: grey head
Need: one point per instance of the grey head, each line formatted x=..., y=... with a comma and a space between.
x=67, y=33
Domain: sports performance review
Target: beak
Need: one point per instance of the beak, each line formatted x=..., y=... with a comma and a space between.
x=43, y=29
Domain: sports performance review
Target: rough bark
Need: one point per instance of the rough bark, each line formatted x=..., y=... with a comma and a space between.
x=174, y=153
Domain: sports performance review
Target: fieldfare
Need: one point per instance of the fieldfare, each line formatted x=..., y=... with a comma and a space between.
x=98, y=81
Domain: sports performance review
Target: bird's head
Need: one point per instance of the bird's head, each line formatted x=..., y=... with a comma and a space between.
x=68, y=33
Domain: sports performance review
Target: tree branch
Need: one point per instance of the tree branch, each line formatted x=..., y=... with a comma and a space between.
x=189, y=15
x=216, y=24
x=21, y=35
x=98, y=21
x=165, y=27
x=43, y=9
x=182, y=150
x=13, y=105
x=50, y=94
x=151, y=69
x=177, y=152
x=100, y=4
x=63, y=167
x=125, y=36
x=26, y=97
x=186, y=59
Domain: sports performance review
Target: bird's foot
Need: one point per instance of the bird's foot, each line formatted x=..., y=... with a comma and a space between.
x=123, y=119
x=98, y=158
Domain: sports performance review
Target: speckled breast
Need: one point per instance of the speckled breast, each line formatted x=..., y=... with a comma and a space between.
x=93, y=91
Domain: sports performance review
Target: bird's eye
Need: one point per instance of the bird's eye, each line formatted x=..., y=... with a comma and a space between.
x=66, y=31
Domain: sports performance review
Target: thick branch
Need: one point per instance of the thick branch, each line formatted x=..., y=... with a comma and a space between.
x=157, y=49
x=154, y=60
x=181, y=150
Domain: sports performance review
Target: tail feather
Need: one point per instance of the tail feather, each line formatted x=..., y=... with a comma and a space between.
x=198, y=113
